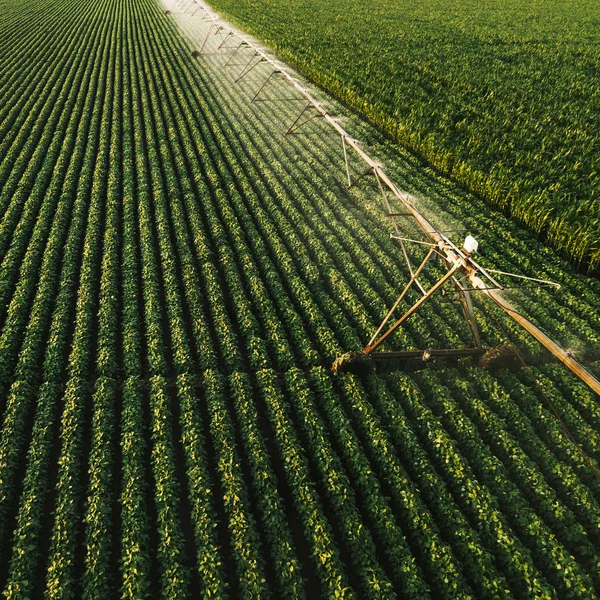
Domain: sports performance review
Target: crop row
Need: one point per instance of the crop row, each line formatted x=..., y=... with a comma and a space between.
x=174, y=278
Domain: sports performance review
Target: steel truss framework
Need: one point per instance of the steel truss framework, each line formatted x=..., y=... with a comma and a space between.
x=462, y=271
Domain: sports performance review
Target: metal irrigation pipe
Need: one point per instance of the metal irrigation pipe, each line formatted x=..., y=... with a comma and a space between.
x=454, y=255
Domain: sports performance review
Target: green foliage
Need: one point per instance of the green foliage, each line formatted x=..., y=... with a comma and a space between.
x=502, y=97
x=175, y=281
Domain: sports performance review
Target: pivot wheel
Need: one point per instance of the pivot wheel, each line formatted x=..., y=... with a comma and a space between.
x=355, y=362
x=501, y=357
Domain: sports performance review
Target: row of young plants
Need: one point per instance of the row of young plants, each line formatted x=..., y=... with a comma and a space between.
x=96, y=581
x=174, y=574
x=435, y=557
x=325, y=553
x=250, y=563
x=201, y=492
x=27, y=248
x=560, y=475
x=554, y=560
x=63, y=557
x=551, y=433
x=14, y=432
x=246, y=548
x=249, y=560
x=25, y=89
x=135, y=566
x=348, y=521
x=264, y=309
x=476, y=500
x=136, y=547
x=478, y=562
x=171, y=551
x=162, y=301
x=25, y=153
x=267, y=498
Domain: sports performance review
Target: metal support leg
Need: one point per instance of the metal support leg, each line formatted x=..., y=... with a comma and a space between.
x=206, y=38
x=370, y=347
x=297, y=124
x=363, y=174
x=227, y=37
x=407, y=287
x=233, y=54
x=346, y=161
x=467, y=305
x=298, y=118
x=187, y=6
x=397, y=231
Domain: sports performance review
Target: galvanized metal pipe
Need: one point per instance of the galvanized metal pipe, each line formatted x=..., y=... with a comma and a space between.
x=539, y=335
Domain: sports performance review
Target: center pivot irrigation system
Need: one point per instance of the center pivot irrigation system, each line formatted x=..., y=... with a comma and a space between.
x=461, y=270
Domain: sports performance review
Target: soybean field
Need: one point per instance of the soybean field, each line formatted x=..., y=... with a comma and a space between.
x=176, y=278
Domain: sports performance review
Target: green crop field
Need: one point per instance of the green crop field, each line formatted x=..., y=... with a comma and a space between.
x=503, y=95
x=176, y=278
